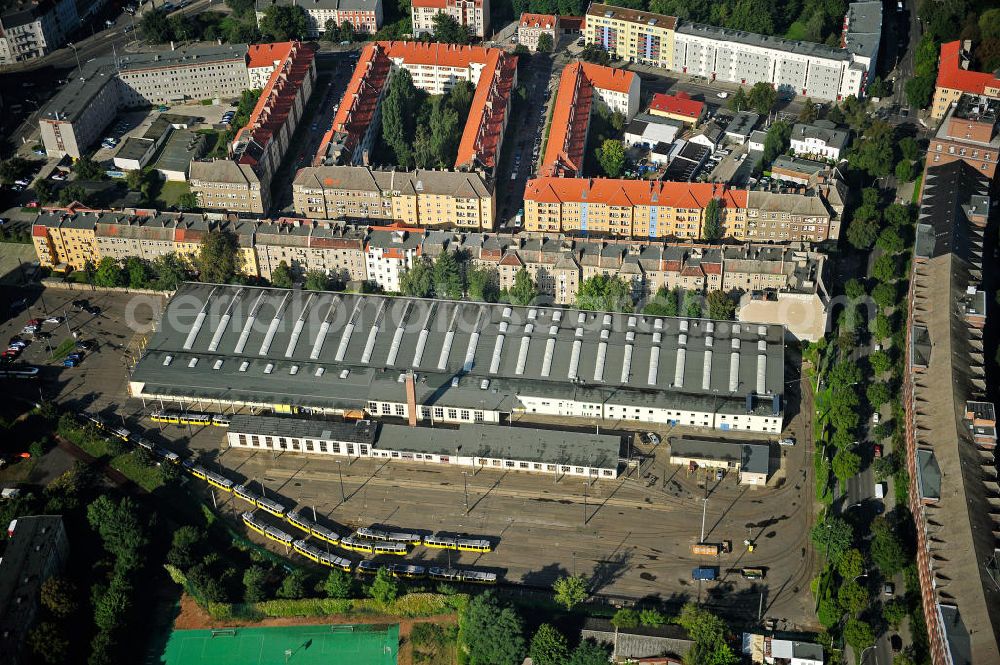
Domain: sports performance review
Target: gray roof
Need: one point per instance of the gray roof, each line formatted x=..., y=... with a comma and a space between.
x=181, y=148
x=762, y=41
x=638, y=642
x=27, y=562
x=359, y=333
x=360, y=431
x=864, y=27
x=363, y=178
x=742, y=123
x=222, y=170
x=799, y=165
x=751, y=457
x=823, y=130
x=133, y=148
x=757, y=136
x=343, y=5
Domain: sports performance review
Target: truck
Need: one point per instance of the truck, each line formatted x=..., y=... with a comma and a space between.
x=704, y=573
x=712, y=549
x=879, y=490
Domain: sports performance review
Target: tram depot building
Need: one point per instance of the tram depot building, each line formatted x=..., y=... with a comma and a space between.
x=436, y=361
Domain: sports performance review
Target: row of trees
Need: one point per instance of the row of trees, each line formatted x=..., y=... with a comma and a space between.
x=691, y=304
x=421, y=130
x=760, y=100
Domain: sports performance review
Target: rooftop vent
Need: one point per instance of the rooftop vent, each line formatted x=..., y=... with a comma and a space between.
x=217, y=364
x=268, y=368
x=319, y=371
x=192, y=362
x=244, y=365
x=168, y=360
x=345, y=373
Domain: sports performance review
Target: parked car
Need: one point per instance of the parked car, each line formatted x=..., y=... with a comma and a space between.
x=788, y=441
x=653, y=438
x=876, y=417
x=69, y=362
x=79, y=304
x=722, y=95
x=888, y=588
x=878, y=450
x=92, y=309
x=718, y=474
x=58, y=176
x=85, y=344
x=55, y=319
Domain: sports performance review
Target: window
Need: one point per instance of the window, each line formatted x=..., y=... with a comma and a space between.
x=478, y=416
x=508, y=463
x=350, y=448
x=295, y=444
x=400, y=411
x=386, y=409
x=269, y=442
x=242, y=439
x=465, y=414
x=283, y=443
x=523, y=465
x=438, y=412
x=336, y=447
x=322, y=446
x=309, y=446
x=453, y=414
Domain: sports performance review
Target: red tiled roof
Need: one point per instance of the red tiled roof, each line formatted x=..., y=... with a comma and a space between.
x=357, y=107
x=679, y=104
x=632, y=192
x=951, y=75
x=538, y=20
x=571, y=115
x=39, y=230
x=278, y=97
x=487, y=115
x=266, y=55
x=571, y=22
x=435, y=4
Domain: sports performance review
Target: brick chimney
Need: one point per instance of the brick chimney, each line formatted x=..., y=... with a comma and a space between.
x=411, y=398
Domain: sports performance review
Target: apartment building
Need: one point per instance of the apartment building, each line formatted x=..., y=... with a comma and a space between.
x=336, y=249
x=955, y=79
x=415, y=198
x=532, y=26
x=33, y=28
x=970, y=132
x=803, y=68
x=78, y=114
x=66, y=242
x=365, y=16
x=242, y=182
x=581, y=85
x=819, y=139
x=435, y=68
x=473, y=14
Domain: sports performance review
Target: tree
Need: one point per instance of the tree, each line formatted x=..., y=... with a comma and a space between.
x=909, y=148
x=721, y=306
x=854, y=289
x=905, y=171
x=281, y=276
x=524, y=291
x=482, y=285
x=604, y=294
x=884, y=295
x=156, y=26
x=398, y=116
x=894, y=611
x=241, y=7
x=187, y=547
x=809, y=111
x=861, y=232
x=294, y=585
x=45, y=191
x=590, y=652
x=545, y=44
x=87, y=169
x=886, y=548
x=170, y=271
x=712, y=225
x=852, y=564
x=493, y=633
x=738, y=100
x=878, y=394
x=418, y=280
x=447, y=277
x=692, y=305
x=255, y=584
x=611, y=157
x=898, y=216
x=219, y=259
x=878, y=88
x=882, y=326
x=776, y=142
x=119, y=527
x=762, y=95
x=48, y=642
x=570, y=591
x=919, y=91
x=72, y=193
x=664, y=303
x=187, y=201
x=448, y=30
x=880, y=362
x=873, y=151
x=832, y=537
x=317, y=280
x=346, y=32
x=384, y=588
x=138, y=272
x=846, y=464
x=829, y=613
x=884, y=269
x=338, y=584
x=852, y=597
x=890, y=241
x=109, y=273
x=284, y=22
x=445, y=131
x=595, y=53
x=844, y=373
x=652, y=618
x=858, y=634
x=13, y=169
x=548, y=646
x=626, y=617
x=58, y=596
x=708, y=632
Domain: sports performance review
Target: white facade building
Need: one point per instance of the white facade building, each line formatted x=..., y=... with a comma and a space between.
x=820, y=139
x=33, y=29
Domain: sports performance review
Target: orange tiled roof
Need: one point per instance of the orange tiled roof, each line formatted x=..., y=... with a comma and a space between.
x=538, y=20
x=679, y=104
x=608, y=78
x=265, y=55
x=627, y=193
x=435, y=4
x=487, y=115
x=360, y=100
x=951, y=75
x=277, y=99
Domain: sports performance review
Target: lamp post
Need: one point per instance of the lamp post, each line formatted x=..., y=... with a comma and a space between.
x=340, y=472
x=77, y=54
x=465, y=482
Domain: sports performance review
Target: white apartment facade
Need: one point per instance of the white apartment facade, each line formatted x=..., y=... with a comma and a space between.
x=473, y=14
x=365, y=16
x=33, y=29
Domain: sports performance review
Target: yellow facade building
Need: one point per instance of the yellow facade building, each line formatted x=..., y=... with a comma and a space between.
x=632, y=35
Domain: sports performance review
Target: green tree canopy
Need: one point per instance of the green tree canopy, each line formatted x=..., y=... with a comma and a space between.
x=721, y=306
x=887, y=549
x=738, y=100
x=47, y=640
x=909, y=148
x=447, y=30
x=398, y=116
x=589, y=652
x=884, y=295
x=692, y=305
x=873, y=151
x=317, y=280
x=447, y=276
x=284, y=22
x=712, y=224
x=762, y=95
x=294, y=585
x=338, y=584
x=852, y=564
x=890, y=242
x=281, y=276
x=493, y=633
x=626, y=617
x=852, y=597
x=58, y=596
x=219, y=258
x=854, y=289
x=418, y=280
x=885, y=269
x=13, y=169
x=664, y=303
x=858, y=634
x=604, y=294
x=545, y=44
x=109, y=273
x=384, y=587
x=524, y=291
x=846, y=464
x=611, y=157
x=832, y=537
x=709, y=635
x=570, y=591
x=45, y=191
x=777, y=141
x=138, y=272
x=255, y=584
x=880, y=361
x=652, y=618
x=878, y=394
x=482, y=285
x=882, y=326
x=170, y=270
x=862, y=232
x=548, y=646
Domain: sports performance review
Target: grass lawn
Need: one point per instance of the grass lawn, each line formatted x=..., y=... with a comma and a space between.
x=170, y=192
x=147, y=477
x=796, y=31
x=63, y=350
x=916, y=188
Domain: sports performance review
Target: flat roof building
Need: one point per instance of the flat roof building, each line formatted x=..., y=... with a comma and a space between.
x=750, y=460
x=36, y=550
x=474, y=362
x=472, y=445
x=955, y=78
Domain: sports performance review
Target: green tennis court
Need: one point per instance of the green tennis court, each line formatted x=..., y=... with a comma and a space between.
x=360, y=644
